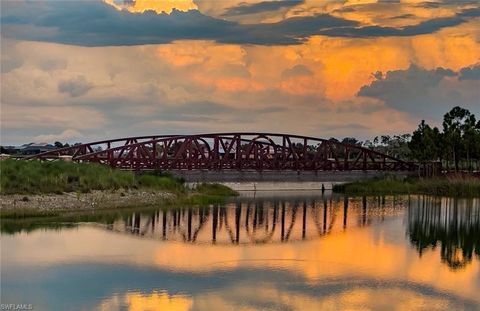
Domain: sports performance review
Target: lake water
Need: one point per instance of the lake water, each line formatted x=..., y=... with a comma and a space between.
x=262, y=251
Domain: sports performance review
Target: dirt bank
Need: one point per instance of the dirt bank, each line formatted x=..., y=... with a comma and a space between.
x=91, y=200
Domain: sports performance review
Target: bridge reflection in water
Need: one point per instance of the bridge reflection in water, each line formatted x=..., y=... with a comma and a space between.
x=451, y=224
x=258, y=221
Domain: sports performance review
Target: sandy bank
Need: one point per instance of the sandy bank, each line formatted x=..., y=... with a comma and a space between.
x=92, y=200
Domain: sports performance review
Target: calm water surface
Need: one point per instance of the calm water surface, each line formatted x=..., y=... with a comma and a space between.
x=270, y=251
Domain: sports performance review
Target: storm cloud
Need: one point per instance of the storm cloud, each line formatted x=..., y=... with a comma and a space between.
x=470, y=73
x=423, y=92
x=94, y=23
x=425, y=27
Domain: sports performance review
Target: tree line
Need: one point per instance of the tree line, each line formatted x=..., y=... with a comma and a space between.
x=456, y=144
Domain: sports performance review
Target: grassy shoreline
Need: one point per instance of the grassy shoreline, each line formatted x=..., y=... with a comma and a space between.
x=42, y=189
x=36, y=177
x=455, y=186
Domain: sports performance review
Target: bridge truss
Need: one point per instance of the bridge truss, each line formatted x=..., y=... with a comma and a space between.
x=230, y=151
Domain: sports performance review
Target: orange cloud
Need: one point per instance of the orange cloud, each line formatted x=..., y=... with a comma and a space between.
x=340, y=66
x=304, y=85
x=162, y=6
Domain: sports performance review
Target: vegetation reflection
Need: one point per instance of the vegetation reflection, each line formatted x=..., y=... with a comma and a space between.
x=452, y=223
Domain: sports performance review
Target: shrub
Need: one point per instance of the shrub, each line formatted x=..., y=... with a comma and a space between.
x=215, y=189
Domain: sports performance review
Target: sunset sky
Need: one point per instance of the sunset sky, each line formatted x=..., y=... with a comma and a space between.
x=79, y=71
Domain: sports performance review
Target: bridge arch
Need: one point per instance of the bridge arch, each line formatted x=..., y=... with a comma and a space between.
x=230, y=151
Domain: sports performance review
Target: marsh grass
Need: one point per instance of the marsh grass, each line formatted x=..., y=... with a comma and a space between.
x=215, y=190
x=210, y=193
x=34, y=177
x=463, y=186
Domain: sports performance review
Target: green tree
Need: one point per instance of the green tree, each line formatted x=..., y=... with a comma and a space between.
x=351, y=141
x=459, y=127
x=395, y=146
x=424, y=144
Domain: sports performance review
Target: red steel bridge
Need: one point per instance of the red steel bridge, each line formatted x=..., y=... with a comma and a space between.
x=229, y=151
